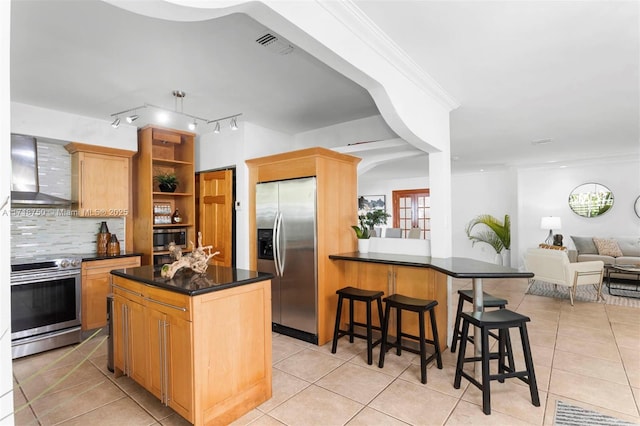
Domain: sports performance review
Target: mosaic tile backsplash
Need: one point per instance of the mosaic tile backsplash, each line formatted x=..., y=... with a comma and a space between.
x=56, y=230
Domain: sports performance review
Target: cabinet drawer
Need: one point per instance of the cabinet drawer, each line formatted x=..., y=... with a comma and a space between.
x=106, y=266
x=175, y=304
x=127, y=289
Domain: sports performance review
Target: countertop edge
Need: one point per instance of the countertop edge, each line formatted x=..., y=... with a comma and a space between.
x=262, y=276
x=428, y=262
x=93, y=258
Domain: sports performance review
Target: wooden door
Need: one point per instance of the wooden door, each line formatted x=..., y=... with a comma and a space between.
x=215, y=213
x=411, y=209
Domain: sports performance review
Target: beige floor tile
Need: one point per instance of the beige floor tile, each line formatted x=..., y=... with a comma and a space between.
x=467, y=413
x=95, y=345
x=316, y=406
x=23, y=414
x=248, y=418
x=121, y=412
x=581, y=345
x=283, y=348
x=26, y=367
x=631, y=362
x=309, y=365
x=592, y=334
x=149, y=402
x=600, y=322
x=62, y=378
x=622, y=314
x=284, y=386
x=355, y=382
x=369, y=417
x=75, y=401
x=511, y=399
x=346, y=350
x=537, y=338
x=588, y=366
x=174, y=420
x=601, y=393
x=394, y=365
x=438, y=380
x=414, y=403
x=626, y=335
x=266, y=420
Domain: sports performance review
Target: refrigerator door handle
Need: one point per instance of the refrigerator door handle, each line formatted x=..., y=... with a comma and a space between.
x=281, y=253
x=276, y=245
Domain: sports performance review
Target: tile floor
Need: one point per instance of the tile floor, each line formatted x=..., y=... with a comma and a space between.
x=587, y=355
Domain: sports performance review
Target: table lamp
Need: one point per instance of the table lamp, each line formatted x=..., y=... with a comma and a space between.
x=550, y=223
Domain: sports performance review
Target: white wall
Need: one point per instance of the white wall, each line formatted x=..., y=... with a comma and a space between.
x=479, y=193
x=47, y=123
x=365, y=129
x=228, y=149
x=369, y=187
x=545, y=192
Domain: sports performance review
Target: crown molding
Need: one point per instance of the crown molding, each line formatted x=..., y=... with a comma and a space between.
x=356, y=21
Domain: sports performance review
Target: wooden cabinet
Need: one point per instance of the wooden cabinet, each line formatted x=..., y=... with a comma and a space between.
x=422, y=283
x=160, y=151
x=336, y=201
x=208, y=356
x=95, y=287
x=100, y=180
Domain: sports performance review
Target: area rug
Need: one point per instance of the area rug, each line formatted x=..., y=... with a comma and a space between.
x=586, y=293
x=570, y=415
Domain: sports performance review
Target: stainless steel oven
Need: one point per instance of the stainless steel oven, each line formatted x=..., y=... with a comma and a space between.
x=45, y=304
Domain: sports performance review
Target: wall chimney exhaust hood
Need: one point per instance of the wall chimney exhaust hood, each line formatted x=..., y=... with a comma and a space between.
x=25, y=187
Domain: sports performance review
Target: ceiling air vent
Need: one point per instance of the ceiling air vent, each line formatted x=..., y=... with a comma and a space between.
x=273, y=43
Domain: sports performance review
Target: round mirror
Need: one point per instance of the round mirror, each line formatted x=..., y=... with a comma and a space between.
x=636, y=206
x=591, y=200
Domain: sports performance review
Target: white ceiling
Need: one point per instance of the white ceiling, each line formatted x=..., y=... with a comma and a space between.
x=522, y=71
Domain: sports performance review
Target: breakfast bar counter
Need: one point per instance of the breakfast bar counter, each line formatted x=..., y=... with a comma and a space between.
x=423, y=277
x=201, y=343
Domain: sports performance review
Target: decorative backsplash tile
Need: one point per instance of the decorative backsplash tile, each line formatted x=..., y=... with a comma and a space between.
x=56, y=230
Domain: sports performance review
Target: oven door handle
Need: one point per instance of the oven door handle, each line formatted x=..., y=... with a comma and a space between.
x=19, y=278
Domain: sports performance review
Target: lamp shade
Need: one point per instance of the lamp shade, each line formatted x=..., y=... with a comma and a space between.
x=550, y=222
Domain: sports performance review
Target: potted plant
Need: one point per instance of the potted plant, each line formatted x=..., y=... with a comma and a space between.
x=367, y=221
x=495, y=233
x=168, y=182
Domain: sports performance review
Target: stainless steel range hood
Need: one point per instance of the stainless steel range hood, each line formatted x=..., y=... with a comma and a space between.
x=25, y=187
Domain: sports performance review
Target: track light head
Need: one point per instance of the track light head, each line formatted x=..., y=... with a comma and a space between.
x=217, y=128
x=234, y=124
x=132, y=118
x=116, y=123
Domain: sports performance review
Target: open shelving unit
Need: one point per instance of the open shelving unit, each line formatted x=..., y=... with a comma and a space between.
x=162, y=150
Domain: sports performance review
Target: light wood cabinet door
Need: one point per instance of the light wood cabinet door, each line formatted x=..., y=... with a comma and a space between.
x=96, y=285
x=179, y=358
x=155, y=323
x=129, y=336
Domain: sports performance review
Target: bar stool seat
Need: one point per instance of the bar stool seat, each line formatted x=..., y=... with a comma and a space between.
x=489, y=301
x=420, y=306
x=360, y=295
x=501, y=320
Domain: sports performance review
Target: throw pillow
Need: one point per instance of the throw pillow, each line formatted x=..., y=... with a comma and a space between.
x=584, y=245
x=607, y=247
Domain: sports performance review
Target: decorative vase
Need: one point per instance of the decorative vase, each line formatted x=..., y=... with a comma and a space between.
x=113, y=247
x=363, y=245
x=506, y=257
x=165, y=187
x=498, y=259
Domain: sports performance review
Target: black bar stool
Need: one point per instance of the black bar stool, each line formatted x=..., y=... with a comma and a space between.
x=420, y=306
x=489, y=301
x=501, y=320
x=367, y=296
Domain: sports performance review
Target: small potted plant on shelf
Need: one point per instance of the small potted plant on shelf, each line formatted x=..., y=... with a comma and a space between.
x=168, y=182
x=367, y=221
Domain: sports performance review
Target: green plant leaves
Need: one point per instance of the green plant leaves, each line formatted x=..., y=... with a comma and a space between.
x=498, y=234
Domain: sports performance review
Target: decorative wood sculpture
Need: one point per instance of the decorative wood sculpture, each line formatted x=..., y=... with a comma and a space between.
x=197, y=260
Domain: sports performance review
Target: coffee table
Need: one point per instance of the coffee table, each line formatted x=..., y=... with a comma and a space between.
x=623, y=269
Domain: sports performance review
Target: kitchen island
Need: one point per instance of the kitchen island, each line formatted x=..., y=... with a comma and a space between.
x=201, y=343
x=423, y=277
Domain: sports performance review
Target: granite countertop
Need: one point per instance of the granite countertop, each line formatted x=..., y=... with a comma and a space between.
x=188, y=282
x=94, y=256
x=457, y=267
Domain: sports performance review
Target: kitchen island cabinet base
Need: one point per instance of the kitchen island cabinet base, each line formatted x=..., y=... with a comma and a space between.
x=225, y=372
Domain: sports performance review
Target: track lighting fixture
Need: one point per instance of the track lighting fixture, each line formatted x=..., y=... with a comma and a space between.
x=178, y=95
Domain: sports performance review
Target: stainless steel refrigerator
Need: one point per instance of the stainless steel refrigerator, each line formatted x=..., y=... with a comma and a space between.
x=286, y=222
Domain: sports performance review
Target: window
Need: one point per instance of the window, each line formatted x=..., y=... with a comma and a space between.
x=412, y=209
